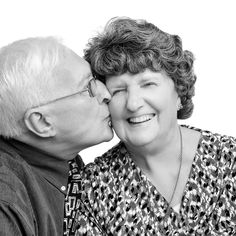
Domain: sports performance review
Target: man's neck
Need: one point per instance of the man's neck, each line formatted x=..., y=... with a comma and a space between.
x=59, y=151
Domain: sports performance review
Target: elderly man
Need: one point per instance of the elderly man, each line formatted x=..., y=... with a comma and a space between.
x=51, y=108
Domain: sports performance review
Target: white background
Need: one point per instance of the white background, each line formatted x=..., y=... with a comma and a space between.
x=207, y=28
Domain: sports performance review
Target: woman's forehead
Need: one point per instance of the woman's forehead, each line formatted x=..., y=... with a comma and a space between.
x=139, y=77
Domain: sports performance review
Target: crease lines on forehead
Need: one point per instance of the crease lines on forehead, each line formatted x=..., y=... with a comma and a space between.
x=84, y=81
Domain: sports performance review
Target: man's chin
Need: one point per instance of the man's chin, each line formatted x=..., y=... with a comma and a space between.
x=110, y=136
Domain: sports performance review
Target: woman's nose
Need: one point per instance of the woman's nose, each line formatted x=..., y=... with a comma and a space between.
x=103, y=94
x=134, y=100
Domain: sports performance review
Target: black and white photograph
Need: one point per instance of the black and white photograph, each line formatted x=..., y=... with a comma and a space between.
x=117, y=118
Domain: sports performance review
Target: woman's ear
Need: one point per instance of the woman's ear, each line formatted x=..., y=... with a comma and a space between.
x=179, y=104
x=39, y=123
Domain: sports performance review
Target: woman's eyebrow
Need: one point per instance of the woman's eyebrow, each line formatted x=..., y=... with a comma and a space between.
x=149, y=77
x=116, y=84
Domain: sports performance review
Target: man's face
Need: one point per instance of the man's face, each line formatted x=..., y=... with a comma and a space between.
x=80, y=120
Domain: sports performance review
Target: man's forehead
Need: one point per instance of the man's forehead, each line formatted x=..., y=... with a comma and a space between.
x=84, y=79
x=79, y=68
x=75, y=69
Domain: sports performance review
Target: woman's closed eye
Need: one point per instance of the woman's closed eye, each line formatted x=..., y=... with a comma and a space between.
x=117, y=91
x=148, y=84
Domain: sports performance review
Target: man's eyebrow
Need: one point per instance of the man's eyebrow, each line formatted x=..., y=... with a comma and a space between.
x=84, y=80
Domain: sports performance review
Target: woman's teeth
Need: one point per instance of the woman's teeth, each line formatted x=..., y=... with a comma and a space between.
x=140, y=119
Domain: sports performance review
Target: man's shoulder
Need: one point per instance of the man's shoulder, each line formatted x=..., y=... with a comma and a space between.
x=15, y=204
x=10, y=175
x=13, y=190
x=12, y=164
x=13, y=168
x=8, y=154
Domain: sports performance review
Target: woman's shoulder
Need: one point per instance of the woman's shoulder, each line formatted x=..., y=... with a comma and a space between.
x=215, y=138
x=105, y=165
x=217, y=148
x=103, y=177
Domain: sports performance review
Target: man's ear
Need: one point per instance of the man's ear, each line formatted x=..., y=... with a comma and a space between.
x=39, y=123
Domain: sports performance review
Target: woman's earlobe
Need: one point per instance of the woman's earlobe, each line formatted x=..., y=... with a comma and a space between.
x=38, y=123
x=179, y=104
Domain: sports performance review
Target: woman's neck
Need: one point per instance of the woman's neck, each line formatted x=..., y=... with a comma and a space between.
x=164, y=150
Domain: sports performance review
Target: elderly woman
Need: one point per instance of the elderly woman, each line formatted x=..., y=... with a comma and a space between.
x=162, y=178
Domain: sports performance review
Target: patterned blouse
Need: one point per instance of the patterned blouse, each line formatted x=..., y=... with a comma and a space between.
x=113, y=196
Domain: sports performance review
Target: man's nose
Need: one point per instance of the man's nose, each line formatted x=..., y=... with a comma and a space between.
x=103, y=94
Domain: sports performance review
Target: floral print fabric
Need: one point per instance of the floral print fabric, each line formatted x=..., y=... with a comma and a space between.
x=112, y=196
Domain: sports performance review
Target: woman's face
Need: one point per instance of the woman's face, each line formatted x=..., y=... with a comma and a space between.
x=143, y=106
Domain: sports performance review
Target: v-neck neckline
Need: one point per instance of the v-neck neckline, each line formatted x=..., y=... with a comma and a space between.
x=144, y=179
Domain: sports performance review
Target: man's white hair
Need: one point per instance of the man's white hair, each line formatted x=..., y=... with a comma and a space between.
x=26, y=79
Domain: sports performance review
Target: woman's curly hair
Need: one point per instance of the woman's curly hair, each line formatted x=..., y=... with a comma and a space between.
x=128, y=45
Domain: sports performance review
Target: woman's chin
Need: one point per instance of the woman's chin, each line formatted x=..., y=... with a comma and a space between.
x=139, y=141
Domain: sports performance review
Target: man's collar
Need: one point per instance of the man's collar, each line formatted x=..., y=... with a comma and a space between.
x=50, y=167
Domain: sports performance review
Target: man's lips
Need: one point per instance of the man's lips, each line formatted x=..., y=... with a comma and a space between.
x=141, y=119
x=109, y=120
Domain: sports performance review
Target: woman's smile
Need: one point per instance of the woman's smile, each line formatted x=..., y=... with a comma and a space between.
x=141, y=119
